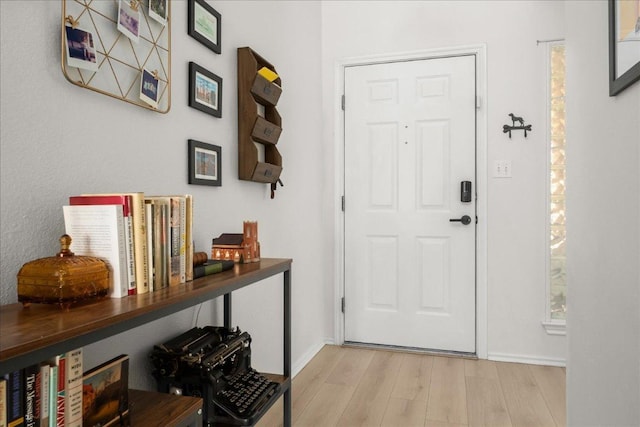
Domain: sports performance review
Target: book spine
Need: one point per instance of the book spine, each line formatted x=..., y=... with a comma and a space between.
x=183, y=239
x=53, y=393
x=132, y=288
x=30, y=374
x=45, y=374
x=3, y=402
x=165, y=246
x=211, y=267
x=158, y=257
x=15, y=399
x=60, y=391
x=73, y=389
x=189, y=238
x=149, y=227
x=140, y=242
x=174, y=229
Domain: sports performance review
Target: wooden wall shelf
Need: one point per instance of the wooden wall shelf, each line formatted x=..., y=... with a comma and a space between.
x=258, y=120
x=31, y=335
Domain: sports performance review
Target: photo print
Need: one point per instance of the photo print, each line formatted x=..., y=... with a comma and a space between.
x=158, y=10
x=129, y=18
x=149, y=88
x=81, y=48
x=206, y=91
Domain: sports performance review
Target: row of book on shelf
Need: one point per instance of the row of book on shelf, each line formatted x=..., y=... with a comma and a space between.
x=57, y=393
x=146, y=240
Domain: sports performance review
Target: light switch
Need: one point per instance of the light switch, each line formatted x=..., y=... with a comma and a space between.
x=502, y=169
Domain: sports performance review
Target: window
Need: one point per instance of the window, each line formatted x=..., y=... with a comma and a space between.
x=557, y=277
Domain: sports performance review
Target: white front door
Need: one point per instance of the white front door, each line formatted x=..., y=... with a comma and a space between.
x=410, y=141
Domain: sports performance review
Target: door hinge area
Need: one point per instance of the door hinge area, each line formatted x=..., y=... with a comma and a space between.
x=342, y=103
x=342, y=304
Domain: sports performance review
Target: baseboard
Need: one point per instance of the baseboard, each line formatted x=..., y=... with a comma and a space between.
x=531, y=360
x=305, y=358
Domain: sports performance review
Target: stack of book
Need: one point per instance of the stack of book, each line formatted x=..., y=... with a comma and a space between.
x=147, y=240
x=57, y=393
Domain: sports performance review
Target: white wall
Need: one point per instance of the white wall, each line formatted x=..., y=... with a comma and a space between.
x=59, y=140
x=603, y=205
x=517, y=240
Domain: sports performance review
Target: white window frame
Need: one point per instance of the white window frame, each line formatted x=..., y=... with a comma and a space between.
x=551, y=326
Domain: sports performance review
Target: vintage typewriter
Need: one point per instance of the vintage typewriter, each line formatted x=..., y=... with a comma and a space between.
x=215, y=363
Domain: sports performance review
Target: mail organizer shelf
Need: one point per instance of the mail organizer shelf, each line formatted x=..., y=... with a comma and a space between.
x=265, y=92
x=265, y=132
x=258, y=120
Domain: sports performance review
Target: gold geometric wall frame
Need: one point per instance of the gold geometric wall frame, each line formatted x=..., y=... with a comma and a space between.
x=119, y=61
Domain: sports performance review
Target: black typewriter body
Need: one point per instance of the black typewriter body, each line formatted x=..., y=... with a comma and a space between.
x=214, y=363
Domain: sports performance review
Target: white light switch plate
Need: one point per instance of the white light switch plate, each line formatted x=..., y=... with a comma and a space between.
x=502, y=169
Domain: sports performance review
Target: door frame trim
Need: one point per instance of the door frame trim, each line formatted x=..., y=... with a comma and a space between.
x=479, y=51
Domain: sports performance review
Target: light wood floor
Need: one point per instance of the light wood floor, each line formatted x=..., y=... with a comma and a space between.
x=344, y=386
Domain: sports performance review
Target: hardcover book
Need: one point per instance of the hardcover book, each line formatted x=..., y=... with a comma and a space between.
x=53, y=392
x=189, y=237
x=98, y=230
x=73, y=389
x=127, y=212
x=139, y=238
x=161, y=229
x=177, y=240
x=3, y=402
x=43, y=403
x=60, y=398
x=15, y=398
x=30, y=375
x=105, y=393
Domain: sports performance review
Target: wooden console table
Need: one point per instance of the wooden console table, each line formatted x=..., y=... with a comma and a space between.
x=31, y=335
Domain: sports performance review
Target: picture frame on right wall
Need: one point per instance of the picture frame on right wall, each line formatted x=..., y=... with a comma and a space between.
x=205, y=90
x=205, y=162
x=624, y=44
x=205, y=24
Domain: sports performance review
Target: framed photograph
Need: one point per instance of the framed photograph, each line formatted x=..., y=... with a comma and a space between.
x=105, y=393
x=129, y=18
x=204, y=163
x=81, y=48
x=624, y=44
x=205, y=24
x=158, y=10
x=149, y=88
x=205, y=90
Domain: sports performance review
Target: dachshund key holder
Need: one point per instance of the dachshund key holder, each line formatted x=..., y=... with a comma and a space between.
x=521, y=126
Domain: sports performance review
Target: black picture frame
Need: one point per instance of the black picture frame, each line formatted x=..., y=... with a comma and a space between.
x=202, y=17
x=619, y=80
x=205, y=90
x=205, y=163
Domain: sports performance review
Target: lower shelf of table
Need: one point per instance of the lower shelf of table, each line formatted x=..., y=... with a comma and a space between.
x=153, y=409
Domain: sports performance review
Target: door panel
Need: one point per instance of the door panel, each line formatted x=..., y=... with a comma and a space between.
x=409, y=142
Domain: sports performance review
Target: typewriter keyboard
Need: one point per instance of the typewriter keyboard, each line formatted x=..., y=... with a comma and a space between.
x=245, y=394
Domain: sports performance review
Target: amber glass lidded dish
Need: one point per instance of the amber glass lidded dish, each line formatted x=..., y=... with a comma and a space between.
x=63, y=279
